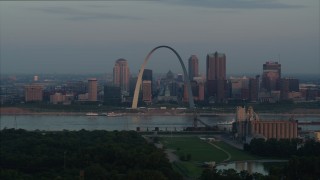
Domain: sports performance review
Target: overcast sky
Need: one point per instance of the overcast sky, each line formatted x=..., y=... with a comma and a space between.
x=88, y=37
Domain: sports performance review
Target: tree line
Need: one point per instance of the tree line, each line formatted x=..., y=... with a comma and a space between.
x=283, y=148
x=81, y=155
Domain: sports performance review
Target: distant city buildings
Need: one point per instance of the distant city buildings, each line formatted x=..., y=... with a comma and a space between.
x=33, y=93
x=147, y=81
x=112, y=95
x=210, y=88
x=216, y=76
x=254, y=89
x=271, y=76
x=193, y=66
x=92, y=89
x=121, y=75
x=146, y=91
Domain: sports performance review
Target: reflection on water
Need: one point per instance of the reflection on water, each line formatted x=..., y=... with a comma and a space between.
x=250, y=166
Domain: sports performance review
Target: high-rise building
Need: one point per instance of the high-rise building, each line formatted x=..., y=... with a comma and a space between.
x=92, y=89
x=216, y=66
x=33, y=92
x=271, y=76
x=216, y=76
x=253, y=89
x=193, y=65
x=121, y=75
x=147, y=75
x=146, y=91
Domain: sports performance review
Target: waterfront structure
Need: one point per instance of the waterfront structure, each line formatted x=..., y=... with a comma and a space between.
x=121, y=75
x=193, y=66
x=248, y=126
x=92, y=89
x=33, y=92
x=271, y=76
x=216, y=76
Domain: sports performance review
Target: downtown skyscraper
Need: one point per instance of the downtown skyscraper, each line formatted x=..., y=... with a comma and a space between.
x=121, y=75
x=271, y=76
x=193, y=66
x=216, y=76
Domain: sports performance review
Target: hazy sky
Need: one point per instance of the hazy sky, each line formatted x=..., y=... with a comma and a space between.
x=88, y=37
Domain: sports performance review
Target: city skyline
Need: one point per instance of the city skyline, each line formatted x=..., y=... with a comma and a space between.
x=87, y=37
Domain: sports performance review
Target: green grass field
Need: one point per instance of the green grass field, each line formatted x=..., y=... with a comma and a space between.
x=236, y=154
x=200, y=152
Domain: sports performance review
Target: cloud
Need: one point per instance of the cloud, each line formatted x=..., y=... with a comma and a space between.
x=77, y=14
x=235, y=4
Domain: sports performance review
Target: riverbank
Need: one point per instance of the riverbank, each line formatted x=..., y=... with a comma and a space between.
x=167, y=112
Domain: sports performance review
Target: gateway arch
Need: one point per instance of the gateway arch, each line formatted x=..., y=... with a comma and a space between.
x=139, y=80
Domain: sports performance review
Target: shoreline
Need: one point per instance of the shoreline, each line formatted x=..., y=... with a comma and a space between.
x=13, y=111
x=143, y=114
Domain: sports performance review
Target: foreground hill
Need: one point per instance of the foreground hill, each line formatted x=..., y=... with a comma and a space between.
x=81, y=154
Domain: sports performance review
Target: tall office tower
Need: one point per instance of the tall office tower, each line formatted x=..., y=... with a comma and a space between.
x=33, y=92
x=92, y=89
x=147, y=75
x=216, y=66
x=121, y=75
x=216, y=76
x=254, y=88
x=146, y=91
x=284, y=88
x=193, y=65
x=271, y=76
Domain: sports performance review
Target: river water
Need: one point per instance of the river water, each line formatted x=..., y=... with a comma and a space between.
x=131, y=122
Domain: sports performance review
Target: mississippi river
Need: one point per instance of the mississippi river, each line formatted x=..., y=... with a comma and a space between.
x=130, y=122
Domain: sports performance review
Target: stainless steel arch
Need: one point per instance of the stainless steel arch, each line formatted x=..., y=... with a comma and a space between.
x=139, y=80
